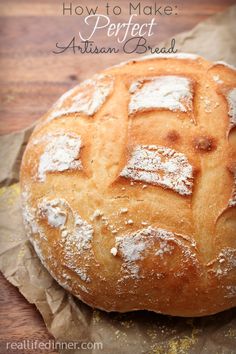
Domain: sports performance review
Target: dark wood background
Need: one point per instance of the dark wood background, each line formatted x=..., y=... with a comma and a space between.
x=32, y=78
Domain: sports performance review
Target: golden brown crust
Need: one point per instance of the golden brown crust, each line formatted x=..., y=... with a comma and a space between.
x=128, y=188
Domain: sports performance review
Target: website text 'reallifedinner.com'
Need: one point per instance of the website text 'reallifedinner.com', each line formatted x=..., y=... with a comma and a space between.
x=35, y=344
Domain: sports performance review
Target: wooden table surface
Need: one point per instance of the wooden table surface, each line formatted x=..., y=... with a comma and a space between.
x=32, y=78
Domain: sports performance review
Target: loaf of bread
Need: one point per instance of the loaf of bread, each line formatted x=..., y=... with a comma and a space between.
x=129, y=187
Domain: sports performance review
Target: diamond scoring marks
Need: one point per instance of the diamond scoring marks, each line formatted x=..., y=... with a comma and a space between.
x=132, y=247
x=168, y=92
x=61, y=153
x=159, y=165
x=86, y=98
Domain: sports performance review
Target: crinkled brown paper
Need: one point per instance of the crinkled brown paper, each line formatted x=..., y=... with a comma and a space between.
x=68, y=318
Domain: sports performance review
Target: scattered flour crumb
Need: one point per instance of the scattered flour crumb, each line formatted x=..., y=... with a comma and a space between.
x=96, y=214
x=217, y=79
x=123, y=210
x=129, y=222
x=144, y=223
x=114, y=251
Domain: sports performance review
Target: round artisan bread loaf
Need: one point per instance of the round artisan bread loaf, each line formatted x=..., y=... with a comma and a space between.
x=129, y=187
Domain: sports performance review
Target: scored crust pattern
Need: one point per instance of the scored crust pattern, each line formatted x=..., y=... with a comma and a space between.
x=161, y=166
x=150, y=155
x=170, y=92
x=61, y=153
x=86, y=98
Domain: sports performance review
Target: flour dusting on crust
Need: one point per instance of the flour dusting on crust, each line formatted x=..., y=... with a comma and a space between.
x=61, y=154
x=231, y=98
x=74, y=230
x=75, y=233
x=29, y=216
x=93, y=94
x=86, y=98
x=169, y=92
x=52, y=212
x=161, y=166
x=224, y=263
x=230, y=291
x=132, y=247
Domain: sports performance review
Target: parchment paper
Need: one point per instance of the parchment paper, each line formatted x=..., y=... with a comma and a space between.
x=69, y=319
